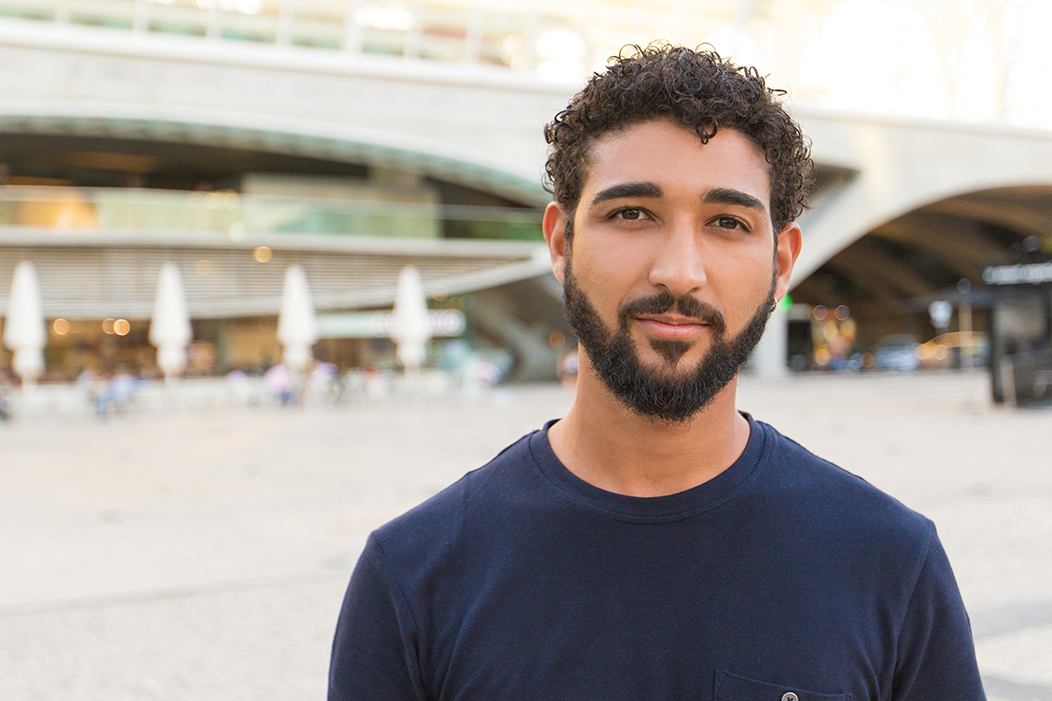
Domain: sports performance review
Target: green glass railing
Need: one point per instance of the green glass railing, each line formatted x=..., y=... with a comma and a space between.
x=65, y=209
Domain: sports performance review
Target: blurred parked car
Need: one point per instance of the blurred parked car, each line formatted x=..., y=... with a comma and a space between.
x=897, y=352
x=955, y=350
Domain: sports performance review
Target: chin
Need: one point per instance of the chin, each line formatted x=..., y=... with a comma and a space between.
x=670, y=357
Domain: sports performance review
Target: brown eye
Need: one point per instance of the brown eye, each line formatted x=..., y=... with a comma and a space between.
x=729, y=223
x=630, y=214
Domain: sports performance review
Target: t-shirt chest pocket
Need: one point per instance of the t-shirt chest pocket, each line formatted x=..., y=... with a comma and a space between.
x=732, y=687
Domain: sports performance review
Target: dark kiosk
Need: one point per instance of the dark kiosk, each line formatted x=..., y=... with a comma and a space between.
x=1021, y=324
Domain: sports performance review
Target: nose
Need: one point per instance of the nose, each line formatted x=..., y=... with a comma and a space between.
x=679, y=262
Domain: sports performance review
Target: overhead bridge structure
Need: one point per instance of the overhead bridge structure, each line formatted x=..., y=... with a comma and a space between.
x=903, y=211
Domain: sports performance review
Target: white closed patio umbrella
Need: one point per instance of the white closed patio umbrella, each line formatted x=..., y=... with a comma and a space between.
x=24, y=329
x=170, y=329
x=297, y=320
x=410, y=328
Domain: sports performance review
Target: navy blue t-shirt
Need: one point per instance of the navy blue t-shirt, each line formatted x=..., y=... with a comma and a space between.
x=782, y=578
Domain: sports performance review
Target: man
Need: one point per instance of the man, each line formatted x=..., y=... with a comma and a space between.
x=656, y=543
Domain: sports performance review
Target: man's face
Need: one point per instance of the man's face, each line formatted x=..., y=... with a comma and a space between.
x=674, y=264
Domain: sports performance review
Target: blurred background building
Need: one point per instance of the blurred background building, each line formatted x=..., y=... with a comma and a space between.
x=236, y=138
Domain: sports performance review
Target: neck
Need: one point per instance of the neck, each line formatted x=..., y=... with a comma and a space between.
x=615, y=449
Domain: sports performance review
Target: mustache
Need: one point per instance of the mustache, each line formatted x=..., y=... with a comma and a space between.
x=664, y=301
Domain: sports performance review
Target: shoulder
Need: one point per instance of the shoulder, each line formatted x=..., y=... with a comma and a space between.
x=438, y=524
x=798, y=470
x=839, y=502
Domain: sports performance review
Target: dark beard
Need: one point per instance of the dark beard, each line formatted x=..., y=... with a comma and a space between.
x=652, y=393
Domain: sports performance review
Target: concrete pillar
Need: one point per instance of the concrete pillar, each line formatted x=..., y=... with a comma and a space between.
x=769, y=358
x=286, y=15
x=140, y=19
x=352, y=31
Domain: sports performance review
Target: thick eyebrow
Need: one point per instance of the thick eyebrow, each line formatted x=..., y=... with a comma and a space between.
x=643, y=189
x=722, y=195
x=719, y=195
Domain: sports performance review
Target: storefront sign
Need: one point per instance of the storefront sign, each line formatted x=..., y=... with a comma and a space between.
x=446, y=322
x=1019, y=274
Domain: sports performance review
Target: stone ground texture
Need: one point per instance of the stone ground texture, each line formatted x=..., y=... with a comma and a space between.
x=203, y=555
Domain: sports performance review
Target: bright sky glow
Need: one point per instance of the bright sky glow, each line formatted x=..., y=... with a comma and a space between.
x=957, y=60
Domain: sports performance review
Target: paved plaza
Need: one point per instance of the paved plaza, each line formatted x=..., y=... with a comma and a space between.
x=203, y=554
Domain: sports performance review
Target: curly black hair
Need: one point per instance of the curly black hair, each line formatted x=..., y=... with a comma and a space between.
x=695, y=87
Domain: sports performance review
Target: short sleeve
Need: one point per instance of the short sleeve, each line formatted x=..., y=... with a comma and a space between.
x=374, y=653
x=936, y=654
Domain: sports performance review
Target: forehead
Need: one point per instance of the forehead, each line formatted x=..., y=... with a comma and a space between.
x=671, y=155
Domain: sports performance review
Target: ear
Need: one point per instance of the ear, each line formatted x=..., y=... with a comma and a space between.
x=554, y=226
x=787, y=250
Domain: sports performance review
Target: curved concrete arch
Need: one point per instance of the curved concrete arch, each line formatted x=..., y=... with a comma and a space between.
x=971, y=250
x=904, y=166
x=474, y=124
x=468, y=124
x=280, y=134
x=1026, y=209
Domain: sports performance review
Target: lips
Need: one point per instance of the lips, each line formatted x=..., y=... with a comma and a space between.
x=666, y=314
x=672, y=327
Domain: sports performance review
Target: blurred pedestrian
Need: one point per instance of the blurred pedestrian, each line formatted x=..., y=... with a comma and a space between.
x=122, y=389
x=5, y=407
x=323, y=383
x=569, y=364
x=280, y=383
